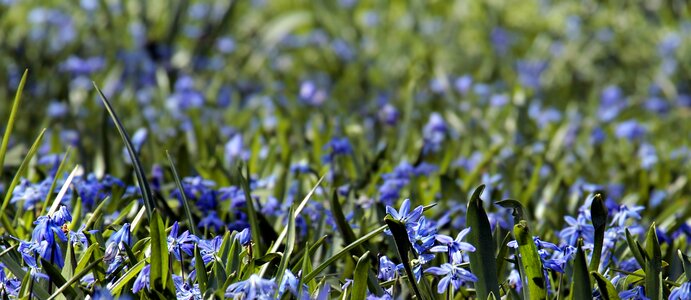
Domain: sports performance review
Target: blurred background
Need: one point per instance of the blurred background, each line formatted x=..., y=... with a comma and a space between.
x=214, y=80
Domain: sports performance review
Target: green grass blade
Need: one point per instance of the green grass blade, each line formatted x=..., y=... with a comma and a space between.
x=503, y=253
x=342, y=253
x=403, y=248
x=63, y=191
x=290, y=244
x=75, y=278
x=10, y=122
x=653, y=266
x=534, y=282
x=251, y=212
x=185, y=202
x=160, y=271
x=483, y=262
x=607, y=289
x=58, y=173
x=360, y=277
x=635, y=248
x=598, y=212
x=147, y=196
x=22, y=168
x=581, y=288
x=116, y=289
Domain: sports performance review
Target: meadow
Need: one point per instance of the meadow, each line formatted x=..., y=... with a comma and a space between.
x=345, y=149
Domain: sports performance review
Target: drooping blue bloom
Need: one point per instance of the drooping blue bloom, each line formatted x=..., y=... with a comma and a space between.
x=387, y=269
x=142, y=280
x=454, y=247
x=244, y=237
x=209, y=249
x=114, y=254
x=254, y=287
x=636, y=293
x=682, y=292
x=290, y=283
x=453, y=274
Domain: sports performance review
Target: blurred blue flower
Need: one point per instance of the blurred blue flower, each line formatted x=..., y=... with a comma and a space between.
x=453, y=274
x=337, y=147
x=254, y=287
x=290, y=283
x=530, y=72
x=630, y=129
x=9, y=287
x=501, y=39
x=682, y=292
x=434, y=133
x=636, y=293
x=463, y=84
x=648, y=156
x=312, y=94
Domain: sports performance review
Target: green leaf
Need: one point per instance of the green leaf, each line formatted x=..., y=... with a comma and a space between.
x=160, y=272
x=635, y=247
x=290, y=244
x=306, y=269
x=607, y=289
x=483, y=263
x=202, y=277
x=403, y=246
x=503, y=252
x=530, y=263
x=686, y=263
x=360, y=277
x=185, y=202
x=581, y=288
x=653, y=266
x=58, y=173
x=598, y=212
x=12, y=119
x=57, y=279
x=22, y=168
x=15, y=267
x=147, y=196
x=251, y=212
x=116, y=289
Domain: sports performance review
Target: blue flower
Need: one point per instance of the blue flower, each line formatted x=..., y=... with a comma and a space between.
x=453, y=274
x=8, y=286
x=254, y=287
x=514, y=280
x=181, y=243
x=434, y=133
x=290, y=283
x=244, y=237
x=530, y=72
x=630, y=129
x=404, y=215
x=636, y=293
x=209, y=248
x=682, y=292
x=619, y=218
x=387, y=269
x=337, y=147
x=577, y=228
x=142, y=280
x=454, y=247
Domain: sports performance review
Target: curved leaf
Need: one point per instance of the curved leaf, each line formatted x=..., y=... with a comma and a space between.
x=483, y=262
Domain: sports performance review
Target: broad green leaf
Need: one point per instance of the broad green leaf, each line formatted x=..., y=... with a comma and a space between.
x=147, y=195
x=360, y=277
x=57, y=279
x=598, y=212
x=607, y=289
x=581, y=288
x=202, y=278
x=635, y=248
x=160, y=272
x=403, y=248
x=653, y=265
x=530, y=263
x=483, y=261
x=10, y=122
x=185, y=202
